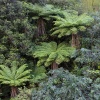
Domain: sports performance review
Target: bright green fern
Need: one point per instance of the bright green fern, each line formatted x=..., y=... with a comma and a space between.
x=51, y=52
x=70, y=24
x=14, y=76
x=41, y=14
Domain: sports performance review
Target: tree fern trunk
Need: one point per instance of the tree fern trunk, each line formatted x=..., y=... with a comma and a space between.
x=0, y=90
x=14, y=91
x=75, y=41
x=40, y=27
x=54, y=65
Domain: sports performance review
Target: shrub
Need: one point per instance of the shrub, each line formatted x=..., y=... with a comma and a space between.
x=95, y=90
x=24, y=94
x=61, y=85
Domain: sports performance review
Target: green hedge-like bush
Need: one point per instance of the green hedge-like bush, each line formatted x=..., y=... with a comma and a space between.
x=62, y=85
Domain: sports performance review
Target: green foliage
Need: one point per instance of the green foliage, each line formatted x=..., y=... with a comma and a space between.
x=93, y=74
x=67, y=4
x=41, y=11
x=80, y=71
x=90, y=5
x=51, y=52
x=62, y=85
x=37, y=79
x=41, y=14
x=16, y=31
x=92, y=38
x=86, y=71
x=24, y=94
x=90, y=53
x=38, y=75
x=40, y=2
x=88, y=57
x=96, y=25
x=39, y=70
x=14, y=76
x=95, y=90
x=70, y=24
x=19, y=20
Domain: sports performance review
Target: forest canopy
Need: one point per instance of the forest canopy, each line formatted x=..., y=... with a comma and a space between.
x=49, y=49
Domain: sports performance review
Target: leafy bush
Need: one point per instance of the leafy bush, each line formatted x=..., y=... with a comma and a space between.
x=24, y=94
x=16, y=32
x=95, y=90
x=61, y=85
x=89, y=57
x=95, y=29
x=86, y=71
x=38, y=75
x=68, y=4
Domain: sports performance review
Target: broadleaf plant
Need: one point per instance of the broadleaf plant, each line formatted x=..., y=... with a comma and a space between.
x=62, y=85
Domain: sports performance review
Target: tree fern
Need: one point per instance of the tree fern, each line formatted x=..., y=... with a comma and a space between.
x=70, y=24
x=41, y=13
x=49, y=53
x=14, y=76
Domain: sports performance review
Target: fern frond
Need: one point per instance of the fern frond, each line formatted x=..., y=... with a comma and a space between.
x=14, y=76
x=3, y=73
x=46, y=64
x=44, y=49
x=21, y=69
x=53, y=53
x=4, y=78
x=52, y=57
x=23, y=74
x=70, y=24
x=60, y=58
x=42, y=11
x=6, y=70
x=5, y=82
x=41, y=61
x=82, y=28
x=14, y=68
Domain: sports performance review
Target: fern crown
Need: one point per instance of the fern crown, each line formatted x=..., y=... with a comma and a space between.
x=70, y=24
x=41, y=11
x=14, y=76
x=51, y=52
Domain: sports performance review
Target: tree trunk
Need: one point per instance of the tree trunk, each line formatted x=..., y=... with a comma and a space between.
x=54, y=65
x=75, y=41
x=73, y=44
x=0, y=90
x=40, y=27
x=14, y=91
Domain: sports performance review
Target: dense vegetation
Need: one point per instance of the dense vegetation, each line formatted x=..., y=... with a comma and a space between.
x=49, y=50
